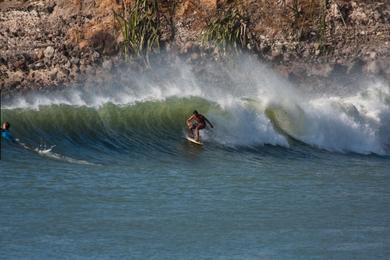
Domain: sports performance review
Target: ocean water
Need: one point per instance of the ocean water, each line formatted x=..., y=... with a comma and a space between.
x=287, y=173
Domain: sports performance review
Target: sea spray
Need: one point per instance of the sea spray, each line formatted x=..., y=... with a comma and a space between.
x=249, y=104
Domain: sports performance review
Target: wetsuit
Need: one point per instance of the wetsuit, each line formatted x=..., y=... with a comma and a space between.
x=5, y=134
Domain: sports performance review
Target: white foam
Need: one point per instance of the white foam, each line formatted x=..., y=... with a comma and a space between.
x=245, y=126
x=355, y=123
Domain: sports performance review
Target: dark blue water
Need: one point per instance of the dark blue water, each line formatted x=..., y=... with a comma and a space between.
x=196, y=202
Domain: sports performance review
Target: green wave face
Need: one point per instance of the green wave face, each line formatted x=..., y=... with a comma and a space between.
x=290, y=122
x=151, y=118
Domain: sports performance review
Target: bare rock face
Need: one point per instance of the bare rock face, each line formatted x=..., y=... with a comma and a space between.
x=358, y=15
x=44, y=38
x=104, y=42
x=190, y=18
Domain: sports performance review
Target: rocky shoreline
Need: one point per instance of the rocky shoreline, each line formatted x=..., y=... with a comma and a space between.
x=55, y=43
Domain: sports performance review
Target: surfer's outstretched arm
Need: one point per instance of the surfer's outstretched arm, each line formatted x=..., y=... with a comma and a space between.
x=208, y=122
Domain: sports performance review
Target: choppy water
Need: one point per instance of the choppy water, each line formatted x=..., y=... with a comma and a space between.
x=284, y=174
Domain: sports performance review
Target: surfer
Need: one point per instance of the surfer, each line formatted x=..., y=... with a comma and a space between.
x=196, y=122
x=5, y=133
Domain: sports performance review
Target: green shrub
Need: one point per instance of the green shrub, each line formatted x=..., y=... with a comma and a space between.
x=139, y=25
x=227, y=30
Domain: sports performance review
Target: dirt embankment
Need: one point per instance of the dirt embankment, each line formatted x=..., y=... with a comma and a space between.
x=53, y=43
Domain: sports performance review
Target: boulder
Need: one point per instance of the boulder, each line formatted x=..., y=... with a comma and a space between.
x=49, y=52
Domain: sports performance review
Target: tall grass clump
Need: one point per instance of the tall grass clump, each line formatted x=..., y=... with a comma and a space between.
x=227, y=30
x=140, y=28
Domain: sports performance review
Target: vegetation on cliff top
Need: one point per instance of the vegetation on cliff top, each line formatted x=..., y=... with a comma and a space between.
x=139, y=26
x=228, y=29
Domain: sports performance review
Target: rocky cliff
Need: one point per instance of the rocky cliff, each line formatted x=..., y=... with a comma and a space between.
x=55, y=43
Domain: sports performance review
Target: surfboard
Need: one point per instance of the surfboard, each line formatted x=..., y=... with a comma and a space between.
x=193, y=140
x=45, y=150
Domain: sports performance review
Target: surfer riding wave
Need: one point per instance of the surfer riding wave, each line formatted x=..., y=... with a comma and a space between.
x=196, y=122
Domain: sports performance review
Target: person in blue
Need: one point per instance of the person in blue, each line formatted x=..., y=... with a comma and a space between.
x=5, y=133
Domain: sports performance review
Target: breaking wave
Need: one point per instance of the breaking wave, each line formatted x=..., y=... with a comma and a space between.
x=247, y=102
